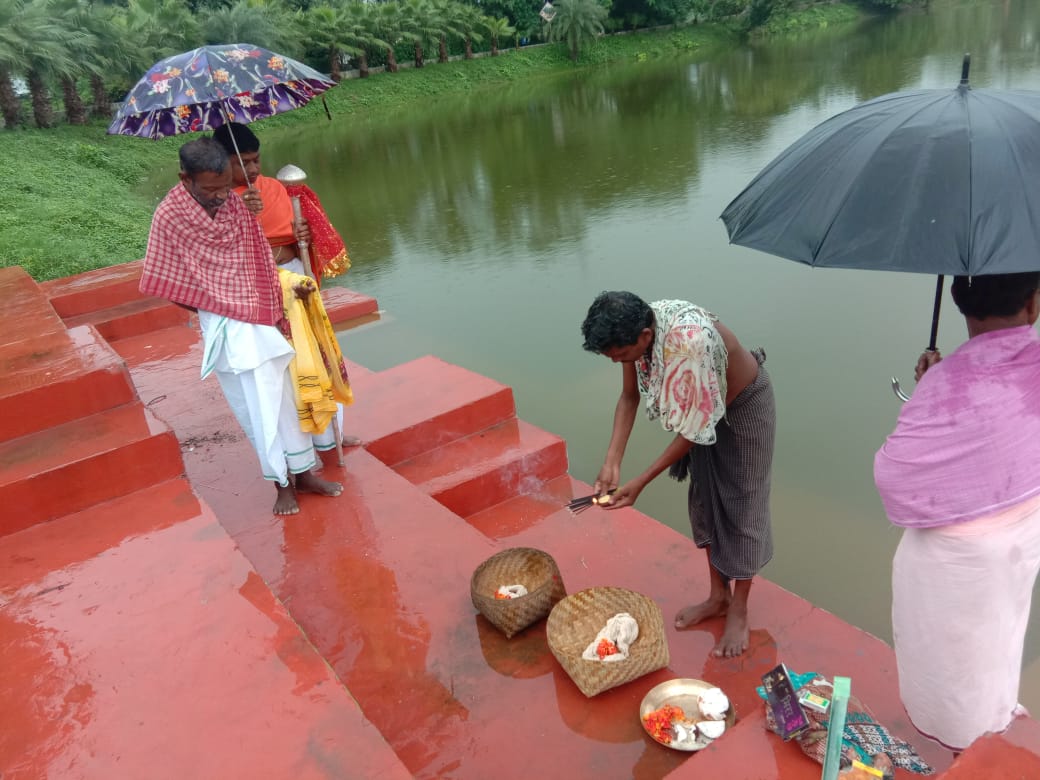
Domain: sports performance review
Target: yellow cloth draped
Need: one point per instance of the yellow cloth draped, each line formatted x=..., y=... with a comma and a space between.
x=319, y=375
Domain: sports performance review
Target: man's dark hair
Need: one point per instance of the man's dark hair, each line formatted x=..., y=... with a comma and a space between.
x=615, y=319
x=997, y=295
x=244, y=137
x=201, y=156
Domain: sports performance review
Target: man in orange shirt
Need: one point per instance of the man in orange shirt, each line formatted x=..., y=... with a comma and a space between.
x=267, y=198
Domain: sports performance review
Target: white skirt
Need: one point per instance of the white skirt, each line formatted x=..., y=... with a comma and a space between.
x=960, y=606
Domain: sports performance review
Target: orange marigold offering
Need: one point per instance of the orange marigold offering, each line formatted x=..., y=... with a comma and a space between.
x=605, y=648
x=659, y=722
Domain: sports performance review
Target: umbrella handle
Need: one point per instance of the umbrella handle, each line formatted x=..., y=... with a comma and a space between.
x=902, y=396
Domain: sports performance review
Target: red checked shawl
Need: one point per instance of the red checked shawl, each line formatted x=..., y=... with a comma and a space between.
x=221, y=264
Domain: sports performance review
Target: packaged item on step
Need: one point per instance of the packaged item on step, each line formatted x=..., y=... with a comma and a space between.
x=783, y=703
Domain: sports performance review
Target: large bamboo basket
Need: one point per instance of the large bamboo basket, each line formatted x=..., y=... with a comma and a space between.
x=535, y=570
x=577, y=619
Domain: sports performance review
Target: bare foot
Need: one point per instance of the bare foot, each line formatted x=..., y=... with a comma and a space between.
x=286, y=504
x=691, y=616
x=309, y=482
x=352, y=441
x=735, y=636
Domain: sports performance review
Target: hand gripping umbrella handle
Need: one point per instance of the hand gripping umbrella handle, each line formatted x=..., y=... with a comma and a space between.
x=305, y=254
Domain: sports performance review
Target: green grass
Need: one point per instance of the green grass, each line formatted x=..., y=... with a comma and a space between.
x=815, y=17
x=73, y=200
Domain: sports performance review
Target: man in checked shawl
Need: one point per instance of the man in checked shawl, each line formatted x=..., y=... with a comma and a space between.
x=207, y=253
x=715, y=396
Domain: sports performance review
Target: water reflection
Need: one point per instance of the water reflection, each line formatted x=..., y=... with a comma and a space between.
x=485, y=225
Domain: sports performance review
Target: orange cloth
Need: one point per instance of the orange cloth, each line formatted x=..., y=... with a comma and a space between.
x=276, y=219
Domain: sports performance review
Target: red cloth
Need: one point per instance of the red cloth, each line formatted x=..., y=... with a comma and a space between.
x=328, y=253
x=221, y=264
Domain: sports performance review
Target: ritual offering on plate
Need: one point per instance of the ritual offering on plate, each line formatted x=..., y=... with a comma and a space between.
x=686, y=714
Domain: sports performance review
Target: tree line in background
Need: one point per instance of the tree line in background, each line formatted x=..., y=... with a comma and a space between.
x=91, y=52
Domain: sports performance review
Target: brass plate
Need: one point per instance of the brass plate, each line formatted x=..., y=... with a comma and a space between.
x=682, y=692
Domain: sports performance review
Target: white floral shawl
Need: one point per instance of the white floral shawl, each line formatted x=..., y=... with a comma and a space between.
x=683, y=379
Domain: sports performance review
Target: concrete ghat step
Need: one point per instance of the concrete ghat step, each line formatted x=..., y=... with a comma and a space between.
x=27, y=312
x=58, y=377
x=343, y=305
x=488, y=467
x=67, y=468
x=519, y=512
x=132, y=318
x=139, y=643
x=423, y=404
x=92, y=291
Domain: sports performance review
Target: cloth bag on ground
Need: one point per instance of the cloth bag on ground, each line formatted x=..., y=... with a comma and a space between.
x=622, y=630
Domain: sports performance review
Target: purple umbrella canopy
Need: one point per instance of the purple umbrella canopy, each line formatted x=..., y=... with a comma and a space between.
x=206, y=87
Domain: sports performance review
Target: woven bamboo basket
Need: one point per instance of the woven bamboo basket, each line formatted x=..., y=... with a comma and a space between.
x=535, y=570
x=576, y=621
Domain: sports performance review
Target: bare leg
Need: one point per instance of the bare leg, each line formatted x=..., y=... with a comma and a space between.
x=717, y=603
x=285, y=503
x=309, y=482
x=735, y=636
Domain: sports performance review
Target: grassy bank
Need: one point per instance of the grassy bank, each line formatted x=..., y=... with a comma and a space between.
x=71, y=199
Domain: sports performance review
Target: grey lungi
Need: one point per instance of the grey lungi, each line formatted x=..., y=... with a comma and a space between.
x=729, y=482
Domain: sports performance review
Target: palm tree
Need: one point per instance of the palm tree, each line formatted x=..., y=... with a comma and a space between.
x=498, y=28
x=246, y=21
x=158, y=29
x=419, y=25
x=446, y=16
x=386, y=22
x=361, y=27
x=46, y=44
x=11, y=39
x=87, y=29
x=577, y=22
x=470, y=21
x=324, y=26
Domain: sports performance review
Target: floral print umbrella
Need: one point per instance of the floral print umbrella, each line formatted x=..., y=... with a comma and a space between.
x=206, y=87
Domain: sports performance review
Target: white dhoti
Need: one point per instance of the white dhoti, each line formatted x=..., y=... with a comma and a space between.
x=251, y=363
x=960, y=605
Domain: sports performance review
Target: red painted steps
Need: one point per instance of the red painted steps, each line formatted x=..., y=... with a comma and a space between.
x=520, y=512
x=488, y=467
x=67, y=468
x=424, y=404
x=138, y=642
x=27, y=312
x=57, y=377
x=132, y=318
x=95, y=290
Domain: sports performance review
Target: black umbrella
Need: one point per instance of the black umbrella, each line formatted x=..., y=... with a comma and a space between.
x=940, y=181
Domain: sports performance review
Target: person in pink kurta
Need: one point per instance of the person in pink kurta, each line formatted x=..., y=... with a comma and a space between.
x=961, y=475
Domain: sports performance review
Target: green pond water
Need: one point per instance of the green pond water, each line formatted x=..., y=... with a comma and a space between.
x=486, y=224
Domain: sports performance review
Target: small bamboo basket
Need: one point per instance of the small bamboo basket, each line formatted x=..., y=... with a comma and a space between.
x=535, y=570
x=574, y=623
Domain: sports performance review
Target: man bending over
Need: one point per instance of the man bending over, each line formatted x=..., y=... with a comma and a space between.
x=693, y=375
